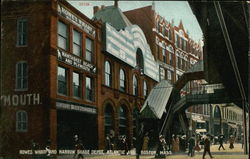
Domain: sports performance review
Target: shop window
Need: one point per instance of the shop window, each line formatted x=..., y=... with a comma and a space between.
x=22, y=75
x=123, y=121
x=145, y=89
x=89, y=89
x=108, y=74
x=77, y=43
x=76, y=85
x=89, y=50
x=122, y=80
x=21, y=121
x=61, y=80
x=62, y=38
x=135, y=86
x=22, y=32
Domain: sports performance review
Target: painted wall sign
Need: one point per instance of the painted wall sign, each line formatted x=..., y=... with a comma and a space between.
x=75, y=61
x=74, y=107
x=20, y=100
x=124, y=44
x=74, y=19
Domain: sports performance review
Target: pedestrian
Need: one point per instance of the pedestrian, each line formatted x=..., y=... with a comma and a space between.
x=221, y=138
x=76, y=142
x=197, y=145
x=207, y=146
x=145, y=142
x=124, y=144
x=47, y=148
x=160, y=152
x=107, y=143
x=191, y=144
x=231, y=142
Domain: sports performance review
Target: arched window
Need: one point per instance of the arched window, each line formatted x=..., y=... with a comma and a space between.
x=145, y=89
x=122, y=80
x=108, y=75
x=135, y=86
x=21, y=121
x=169, y=34
x=108, y=119
x=123, y=121
x=217, y=113
x=139, y=60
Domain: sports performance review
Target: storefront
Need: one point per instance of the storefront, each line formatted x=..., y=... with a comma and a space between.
x=75, y=119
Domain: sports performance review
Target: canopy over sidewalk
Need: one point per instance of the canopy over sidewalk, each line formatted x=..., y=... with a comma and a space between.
x=157, y=100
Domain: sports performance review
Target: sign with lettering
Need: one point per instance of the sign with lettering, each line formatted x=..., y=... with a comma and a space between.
x=74, y=19
x=74, y=107
x=20, y=100
x=75, y=61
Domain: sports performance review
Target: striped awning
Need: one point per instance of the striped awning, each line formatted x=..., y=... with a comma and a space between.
x=157, y=100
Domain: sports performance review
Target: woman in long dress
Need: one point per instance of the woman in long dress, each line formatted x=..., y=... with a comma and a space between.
x=231, y=141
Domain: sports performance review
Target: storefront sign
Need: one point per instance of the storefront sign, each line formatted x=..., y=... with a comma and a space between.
x=74, y=107
x=75, y=61
x=74, y=19
x=22, y=99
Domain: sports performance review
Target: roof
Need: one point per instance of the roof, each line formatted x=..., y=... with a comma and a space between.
x=114, y=16
x=157, y=100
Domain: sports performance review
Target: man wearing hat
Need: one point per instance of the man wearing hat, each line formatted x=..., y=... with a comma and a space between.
x=207, y=146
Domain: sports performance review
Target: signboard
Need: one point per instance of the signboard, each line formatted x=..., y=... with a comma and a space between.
x=74, y=19
x=21, y=99
x=75, y=107
x=124, y=45
x=75, y=61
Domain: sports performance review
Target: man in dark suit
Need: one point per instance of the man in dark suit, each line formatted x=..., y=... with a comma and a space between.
x=207, y=146
x=221, y=138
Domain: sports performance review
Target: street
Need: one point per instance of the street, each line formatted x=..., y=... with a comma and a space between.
x=236, y=153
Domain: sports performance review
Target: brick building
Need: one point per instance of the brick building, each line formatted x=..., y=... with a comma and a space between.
x=48, y=76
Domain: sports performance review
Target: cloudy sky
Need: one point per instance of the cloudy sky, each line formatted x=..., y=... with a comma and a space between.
x=176, y=10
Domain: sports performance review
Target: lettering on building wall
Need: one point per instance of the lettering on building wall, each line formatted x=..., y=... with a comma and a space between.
x=77, y=21
x=75, y=61
x=74, y=107
x=20, y=100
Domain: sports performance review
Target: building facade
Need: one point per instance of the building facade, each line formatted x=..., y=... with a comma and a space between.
x=48, y=76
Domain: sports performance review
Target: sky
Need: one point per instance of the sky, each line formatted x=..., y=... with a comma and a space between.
x=176, y=10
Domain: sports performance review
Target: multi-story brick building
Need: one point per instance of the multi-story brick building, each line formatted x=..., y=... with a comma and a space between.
x=48, y=75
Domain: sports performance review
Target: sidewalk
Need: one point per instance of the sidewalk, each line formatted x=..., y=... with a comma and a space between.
x=236, y=153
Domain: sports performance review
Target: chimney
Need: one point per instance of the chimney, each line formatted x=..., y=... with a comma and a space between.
x=96, y=9
x=116, y=3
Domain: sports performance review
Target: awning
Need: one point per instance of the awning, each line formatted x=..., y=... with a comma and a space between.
x=157, y=100
x=232, y=125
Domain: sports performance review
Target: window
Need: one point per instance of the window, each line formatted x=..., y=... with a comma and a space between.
x=181, y=42
x=108, y=75
x=22, y=32
x=123, y=121
x=169, y=75
x=135, y=86
x=122, y=80
x=169, y=35
x=21, y=75
x=89, y=89
x=108, y=119
x=77, y=43
x=21, y=121
x=89, y=50
x=176, y=40
x=183, y=64
x=62, y=38
x=164, y=52
x=61, y=80
x=76, y=85
x=145, y=89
